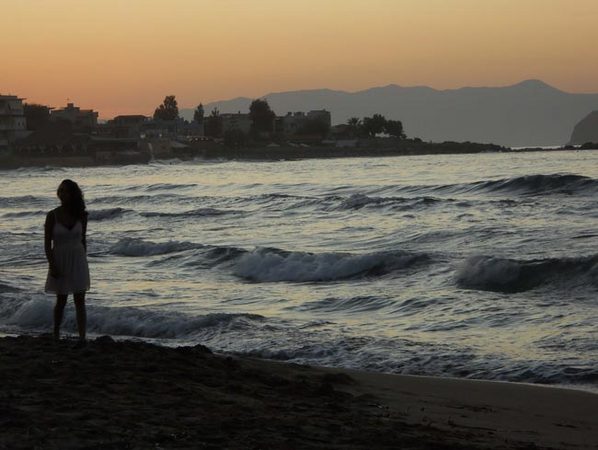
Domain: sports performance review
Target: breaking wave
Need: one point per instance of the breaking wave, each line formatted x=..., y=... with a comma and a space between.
x=489, y=273
x=244, y=333
x=36, y=314
x=269, y=265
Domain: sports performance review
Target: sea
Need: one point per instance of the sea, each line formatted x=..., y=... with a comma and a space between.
x=479, y=266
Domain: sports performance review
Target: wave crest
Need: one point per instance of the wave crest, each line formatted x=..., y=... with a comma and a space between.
x=36, y=314
x=358, y=201
x=19, y=201
x=539, y=184
x=535, y=185
x=346, y=305
x=269, y=265
x=167, y=186
x=19, y=214
x=489, y=273
x=105, y=214
x=201, y=212
x=139, y=247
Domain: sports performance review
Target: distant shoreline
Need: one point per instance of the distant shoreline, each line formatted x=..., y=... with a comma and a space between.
x=277, y=153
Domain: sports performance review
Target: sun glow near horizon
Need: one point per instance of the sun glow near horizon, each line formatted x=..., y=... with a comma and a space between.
x=121, y=56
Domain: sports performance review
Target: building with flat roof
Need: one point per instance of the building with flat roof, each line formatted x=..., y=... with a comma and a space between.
x=79, y=118
x=295, y=122
x=125, y=126
x=13, y=125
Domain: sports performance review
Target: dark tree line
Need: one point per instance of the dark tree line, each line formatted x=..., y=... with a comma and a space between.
x=198, y=114
x=263, y=122
x=168, y=110
x=377, y=124
x=262, y=117
x=213, y=125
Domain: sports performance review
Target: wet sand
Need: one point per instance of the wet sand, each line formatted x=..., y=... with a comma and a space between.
x=118, y=395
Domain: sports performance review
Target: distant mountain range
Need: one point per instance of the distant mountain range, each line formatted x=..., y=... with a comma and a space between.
x=530, y=113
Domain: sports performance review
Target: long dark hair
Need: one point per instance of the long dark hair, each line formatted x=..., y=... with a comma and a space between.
x=76, y=205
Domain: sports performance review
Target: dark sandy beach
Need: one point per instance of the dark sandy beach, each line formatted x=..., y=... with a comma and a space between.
x=137, y=395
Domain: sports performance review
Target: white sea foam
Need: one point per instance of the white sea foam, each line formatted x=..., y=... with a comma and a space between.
x=36, y=315
x=139, y=247
x=267, y=265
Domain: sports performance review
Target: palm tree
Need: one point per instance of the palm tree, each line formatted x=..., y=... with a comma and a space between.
x=354, y=124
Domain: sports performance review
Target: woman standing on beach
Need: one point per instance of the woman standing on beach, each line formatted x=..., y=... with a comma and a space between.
x=66, y=250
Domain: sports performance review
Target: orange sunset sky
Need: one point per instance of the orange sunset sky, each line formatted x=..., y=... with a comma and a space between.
x=124, y=56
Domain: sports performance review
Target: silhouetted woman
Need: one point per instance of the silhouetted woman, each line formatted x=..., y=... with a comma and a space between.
x=66, y=250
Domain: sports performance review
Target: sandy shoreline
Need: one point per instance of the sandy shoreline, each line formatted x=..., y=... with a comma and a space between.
x=137, y=395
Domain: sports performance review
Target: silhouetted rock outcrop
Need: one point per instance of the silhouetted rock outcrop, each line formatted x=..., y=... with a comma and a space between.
x=586, y=130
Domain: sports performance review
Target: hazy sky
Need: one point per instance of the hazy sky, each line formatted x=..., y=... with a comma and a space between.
x=124, y=56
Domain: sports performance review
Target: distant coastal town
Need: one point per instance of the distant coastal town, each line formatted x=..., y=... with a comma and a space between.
x=40, y=135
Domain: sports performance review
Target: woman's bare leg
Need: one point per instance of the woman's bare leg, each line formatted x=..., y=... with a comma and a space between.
x=81, y=315
x=58, y=313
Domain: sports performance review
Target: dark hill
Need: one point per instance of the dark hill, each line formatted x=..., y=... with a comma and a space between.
x=530, y=113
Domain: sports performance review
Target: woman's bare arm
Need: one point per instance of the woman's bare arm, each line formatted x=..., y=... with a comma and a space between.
x=48, y=229
x=84, y=234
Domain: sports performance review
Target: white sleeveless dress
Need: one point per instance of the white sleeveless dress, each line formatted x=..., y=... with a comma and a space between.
x=70, y=259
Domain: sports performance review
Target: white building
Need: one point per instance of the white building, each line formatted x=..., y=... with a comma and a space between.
x=13, y=125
